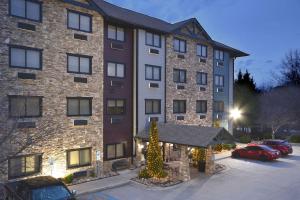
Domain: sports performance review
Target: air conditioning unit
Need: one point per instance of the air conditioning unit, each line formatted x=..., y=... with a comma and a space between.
x=220, y=90
x=202, y=60
x=150, y=119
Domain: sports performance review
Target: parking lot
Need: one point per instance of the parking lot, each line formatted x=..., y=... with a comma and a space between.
x=242, y=179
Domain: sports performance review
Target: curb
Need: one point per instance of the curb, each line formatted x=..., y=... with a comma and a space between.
x=103, y=188
x=156, y=188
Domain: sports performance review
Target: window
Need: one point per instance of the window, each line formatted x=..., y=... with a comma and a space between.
x=179, y=106
x=25, y=57
x=25, y=106
x=179, y=45
x=115, y=33
x=79, y=157
x=179, y=76
x=202, y=50
x=219, y=55
x=153, y=39
x=201, y=78
x=79, y=64
x=79, y=21
x=153, y=73
x=116, y=106
x=219, y=106
x=27, y=9
x=152, y=106
x=79, y=106
x=201, y=106
x=114, y=151
x=219, y=80
x=115, y=70
x=26, y=165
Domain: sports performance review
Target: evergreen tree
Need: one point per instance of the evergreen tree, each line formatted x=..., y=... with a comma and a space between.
x=154, y=157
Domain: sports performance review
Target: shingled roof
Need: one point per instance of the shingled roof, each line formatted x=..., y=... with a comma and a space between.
x=190, y=135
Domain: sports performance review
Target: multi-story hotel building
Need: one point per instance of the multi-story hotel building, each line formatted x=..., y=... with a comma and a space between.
x=80, y=78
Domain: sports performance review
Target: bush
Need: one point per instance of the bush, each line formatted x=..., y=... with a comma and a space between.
x=144, y=174
x=162, y=174
x=198, y=155
x=226, y=146
x=267, y=135
x=245, y=139
x=218, y=147
x=233, y=146
x=295, y=139
x=68, y=179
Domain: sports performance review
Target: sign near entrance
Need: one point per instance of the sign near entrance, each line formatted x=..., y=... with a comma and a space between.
x=98, y=155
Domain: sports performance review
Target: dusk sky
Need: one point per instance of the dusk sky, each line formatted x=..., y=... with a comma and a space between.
x=266, y=29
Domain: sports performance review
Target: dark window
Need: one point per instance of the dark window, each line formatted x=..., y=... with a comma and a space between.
x=79, y=21
x=152, y=73
x=115, y=70
x=179, y=76
x=25, y=57
x=25, y=106
x=79, y=64
x=26, y=165
x=153, y=39
x=219, y=55
x=152, y=106
x=179, y=45
x=116, y=106
x=219, y=106
x=28, y=9
x=202, y=50
x=79, y=106
x=179, y=106
x=201, y=78
x=114, y=151
x=219, y=80
x=115, y=33
x=79, y=157
x=201, y=106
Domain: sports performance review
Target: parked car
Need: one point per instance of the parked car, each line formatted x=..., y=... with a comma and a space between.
x=281, y=145
x=38, y=188
x=258, y=152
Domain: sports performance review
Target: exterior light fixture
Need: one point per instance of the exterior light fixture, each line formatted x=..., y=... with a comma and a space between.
x=235, y=113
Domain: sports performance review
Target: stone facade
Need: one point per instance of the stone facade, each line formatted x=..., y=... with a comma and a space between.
x=191, y=92
x=54, y=84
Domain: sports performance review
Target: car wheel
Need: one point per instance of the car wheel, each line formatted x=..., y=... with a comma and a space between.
x=236, y=155
x=263, y=158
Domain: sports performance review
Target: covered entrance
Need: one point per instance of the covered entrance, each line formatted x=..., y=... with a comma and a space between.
x=177, y=141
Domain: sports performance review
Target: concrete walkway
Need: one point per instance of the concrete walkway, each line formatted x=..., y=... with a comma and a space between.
x=106, y=183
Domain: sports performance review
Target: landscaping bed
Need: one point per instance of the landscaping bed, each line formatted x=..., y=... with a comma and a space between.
x=156, y=183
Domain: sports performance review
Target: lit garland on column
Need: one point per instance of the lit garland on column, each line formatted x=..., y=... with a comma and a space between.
x=154, y=157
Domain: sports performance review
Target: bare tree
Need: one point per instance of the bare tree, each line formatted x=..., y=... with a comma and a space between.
x=290, y=69
x=279, y=107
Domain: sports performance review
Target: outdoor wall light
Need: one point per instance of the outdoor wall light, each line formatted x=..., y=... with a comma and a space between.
x=235, y=113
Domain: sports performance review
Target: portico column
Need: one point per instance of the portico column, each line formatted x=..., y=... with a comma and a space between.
x=184, y=168
x=210, y=161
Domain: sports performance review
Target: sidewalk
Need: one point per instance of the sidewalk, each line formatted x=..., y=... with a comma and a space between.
x=106, y=183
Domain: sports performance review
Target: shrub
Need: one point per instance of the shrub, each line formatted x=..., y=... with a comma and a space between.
x=218, y=147
x=295, y=139
x=68, y=179
x=162, y=174
x=233, y=146
x=198, y=155
x=267, y=135
x=245, y=139
x=226, y=146
x=144, y=174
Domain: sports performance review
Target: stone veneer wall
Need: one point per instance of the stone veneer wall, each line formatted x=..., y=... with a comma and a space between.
x=54, y=83
x=191, y=93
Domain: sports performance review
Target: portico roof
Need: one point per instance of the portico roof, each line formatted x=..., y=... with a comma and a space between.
x=190, y=135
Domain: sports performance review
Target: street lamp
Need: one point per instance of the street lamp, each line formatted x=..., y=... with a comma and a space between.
x=235, y=113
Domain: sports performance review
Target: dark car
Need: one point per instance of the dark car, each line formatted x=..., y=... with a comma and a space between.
x=281, y=145
x=38, y=188
x=258, y=152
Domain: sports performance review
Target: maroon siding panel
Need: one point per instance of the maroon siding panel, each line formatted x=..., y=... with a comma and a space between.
x=123, y=131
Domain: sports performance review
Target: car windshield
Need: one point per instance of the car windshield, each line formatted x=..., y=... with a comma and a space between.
x=56, y=192
x=266, y=148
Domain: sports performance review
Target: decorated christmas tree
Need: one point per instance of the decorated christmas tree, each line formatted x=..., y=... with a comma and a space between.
x=154, y=157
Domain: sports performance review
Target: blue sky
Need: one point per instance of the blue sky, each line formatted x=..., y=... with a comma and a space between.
x=266, y=29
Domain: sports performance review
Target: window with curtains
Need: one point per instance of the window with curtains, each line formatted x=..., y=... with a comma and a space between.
x=115, y=70
x=79, y=106
x=219, y=80
x=179, y=106
x=201, y=78
x=152, y=106
x=153, y=39
x=27, y=9
x=115, y=106
x=79, y=21
x=79, y=157
x=79, y=64
x=179, y=76
x=114, y=151
x=152, y=73
x=219, y=55
x=116, y=33
x=25, y=106
x=25, y=165
x=25, y=57
x=202, y=50
x=201, y=106
x=179, y=45
x=219, y=106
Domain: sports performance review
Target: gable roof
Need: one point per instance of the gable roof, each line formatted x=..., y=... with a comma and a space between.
x=190, y=135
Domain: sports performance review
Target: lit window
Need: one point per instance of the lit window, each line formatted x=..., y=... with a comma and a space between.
x=79, y=157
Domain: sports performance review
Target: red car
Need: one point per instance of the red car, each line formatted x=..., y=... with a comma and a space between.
x=283, y=146
x=258, y=152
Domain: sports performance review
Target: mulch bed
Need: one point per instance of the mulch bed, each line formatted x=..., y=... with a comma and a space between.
x=88, y=179
x=219, y=168
x=151, y=183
